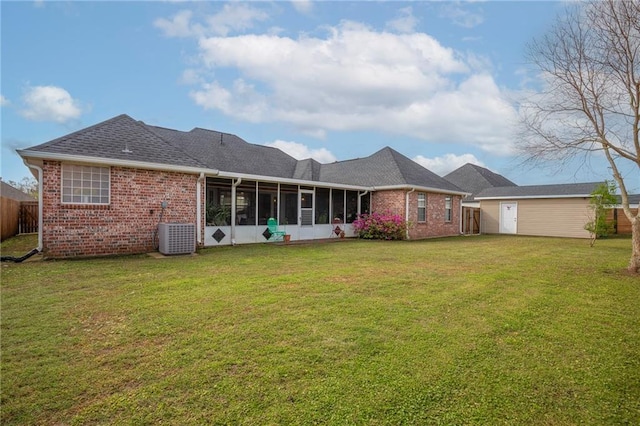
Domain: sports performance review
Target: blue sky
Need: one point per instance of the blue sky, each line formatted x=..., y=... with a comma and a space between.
x=437, y=81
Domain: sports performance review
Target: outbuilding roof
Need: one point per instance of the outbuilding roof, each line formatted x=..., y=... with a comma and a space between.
x=569, y=190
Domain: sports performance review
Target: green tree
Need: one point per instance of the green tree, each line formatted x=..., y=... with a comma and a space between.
x=603, y=199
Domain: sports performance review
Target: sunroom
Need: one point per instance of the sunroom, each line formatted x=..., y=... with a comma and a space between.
x=237, y=210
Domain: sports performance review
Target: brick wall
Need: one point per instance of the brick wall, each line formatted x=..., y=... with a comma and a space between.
x=127, y=225
x=435, y=226
x=389, y=202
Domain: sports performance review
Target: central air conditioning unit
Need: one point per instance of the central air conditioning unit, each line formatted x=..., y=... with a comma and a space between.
x=176, y=238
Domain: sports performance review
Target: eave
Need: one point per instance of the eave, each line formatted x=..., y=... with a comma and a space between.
x=532, y=197
x=419, y=188
x=39, y=155
x=276, y=179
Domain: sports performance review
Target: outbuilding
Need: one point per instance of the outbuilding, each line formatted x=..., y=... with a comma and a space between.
x=539, y=210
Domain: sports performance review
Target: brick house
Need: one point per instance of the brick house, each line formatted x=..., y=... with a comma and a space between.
x=107, y=188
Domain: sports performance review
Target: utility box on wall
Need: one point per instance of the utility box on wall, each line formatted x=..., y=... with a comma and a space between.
x=177, y=238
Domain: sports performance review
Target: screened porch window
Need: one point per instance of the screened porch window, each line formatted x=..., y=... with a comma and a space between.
x=246, y=203
x=322, y=206
x=337, y=204
x=218, y=202
x=352, y=206
x=288, y=205
x=85, y=184
x=267, y=202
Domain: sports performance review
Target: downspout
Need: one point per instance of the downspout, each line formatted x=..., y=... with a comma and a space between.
x=233, y=210
x=406, y=214
x=360, y=201
x=461, y=219
x=199, y=208
x=40, y=203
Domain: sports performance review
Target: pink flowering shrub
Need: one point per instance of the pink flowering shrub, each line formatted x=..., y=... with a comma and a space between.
x=380, y=226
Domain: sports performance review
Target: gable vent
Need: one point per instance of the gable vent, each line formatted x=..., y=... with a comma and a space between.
x=176, y=238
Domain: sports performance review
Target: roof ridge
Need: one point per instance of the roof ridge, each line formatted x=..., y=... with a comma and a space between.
x=148, y=128
x=82, y=131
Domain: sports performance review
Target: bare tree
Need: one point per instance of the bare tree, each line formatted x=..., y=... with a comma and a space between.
x=28, y=185
x=589, y=62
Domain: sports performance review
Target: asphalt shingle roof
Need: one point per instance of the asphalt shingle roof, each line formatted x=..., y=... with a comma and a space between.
x=473, y=178
x=634, y=199
x=540, y=191
x=223, y=151
x=123, y=138
x=308, y=169
x=386, y=167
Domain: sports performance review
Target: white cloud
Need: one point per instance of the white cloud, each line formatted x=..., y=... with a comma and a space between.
x=50, y=103
x=447, y=163
x=4, y=101
x=233, y=17
x=191, y=76
x=242, y=100
x=300, y=151
x=462, y=14
x=405, y=22
x=179, y=25
x=302, y=6
x=357, y=78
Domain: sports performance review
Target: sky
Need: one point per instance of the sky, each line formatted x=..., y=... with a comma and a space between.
x=332, y=80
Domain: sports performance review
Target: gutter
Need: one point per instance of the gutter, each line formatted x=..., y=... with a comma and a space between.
x=199, y=207
x=461, y=219
x=290, y=181
x=233, y=210
x=420, y=188
x=27, y=154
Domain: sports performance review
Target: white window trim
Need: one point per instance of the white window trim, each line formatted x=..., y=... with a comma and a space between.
x=423, y=207
x=449, y=209
x=84, y=203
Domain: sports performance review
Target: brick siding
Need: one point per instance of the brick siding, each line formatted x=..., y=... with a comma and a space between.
x=127, y=225
x=394, y=202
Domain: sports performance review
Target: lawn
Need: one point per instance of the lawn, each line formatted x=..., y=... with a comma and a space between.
x=469, y=330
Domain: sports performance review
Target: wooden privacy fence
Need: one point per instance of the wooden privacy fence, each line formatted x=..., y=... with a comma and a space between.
x=9, y=216
x=470, y=220
x=623, y=225
x=17, y=217
x=28, y=217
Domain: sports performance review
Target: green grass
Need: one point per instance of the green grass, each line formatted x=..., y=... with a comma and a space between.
x=479, y=330
x=19, y=246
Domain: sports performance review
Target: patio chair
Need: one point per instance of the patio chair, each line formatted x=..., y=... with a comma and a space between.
x=276, y=234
